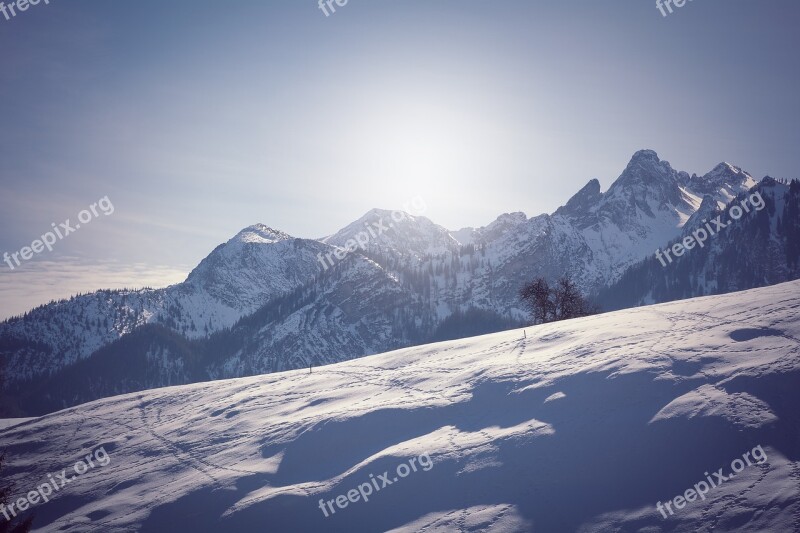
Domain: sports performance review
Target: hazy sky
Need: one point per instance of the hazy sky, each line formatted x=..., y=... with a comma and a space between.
x=198, y=118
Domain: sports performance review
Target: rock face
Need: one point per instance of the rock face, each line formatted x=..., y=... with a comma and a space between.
x=760, y=247
x=265, y=301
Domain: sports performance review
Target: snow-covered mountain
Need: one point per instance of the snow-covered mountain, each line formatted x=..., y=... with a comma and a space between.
x=644, y=208
x=596, y=236
x=237, y=278
x=761, y=247
x=386, y=281
x=255, y=265
x=396, y=232
x=587, y=425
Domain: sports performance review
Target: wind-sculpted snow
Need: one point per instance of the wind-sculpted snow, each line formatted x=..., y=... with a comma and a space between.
x=582, y=425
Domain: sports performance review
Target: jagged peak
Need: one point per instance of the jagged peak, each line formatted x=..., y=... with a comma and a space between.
x=517, y=216
x=505, y=222
x=647, y=160
x=387, y=214
x=260, y=234
x=593, y=187
x=725, y=166
x=725, y=170
x=396, y=231
x=646, y=166
x=723, y=177
x=582, y=200
x=645, y=155
x=646, y=176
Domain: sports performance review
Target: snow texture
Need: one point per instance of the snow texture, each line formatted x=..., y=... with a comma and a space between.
x=582, y=425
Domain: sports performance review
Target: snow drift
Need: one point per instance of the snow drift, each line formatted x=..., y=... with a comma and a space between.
x=583, y=425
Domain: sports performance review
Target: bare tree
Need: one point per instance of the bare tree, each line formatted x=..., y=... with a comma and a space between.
x=568, y=301
x=562, y=302
x=536, y=297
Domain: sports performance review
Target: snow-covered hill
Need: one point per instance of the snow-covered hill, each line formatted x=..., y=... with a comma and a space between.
x=584, y=425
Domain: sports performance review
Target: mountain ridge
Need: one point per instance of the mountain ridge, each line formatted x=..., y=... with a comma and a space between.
x=419, y=272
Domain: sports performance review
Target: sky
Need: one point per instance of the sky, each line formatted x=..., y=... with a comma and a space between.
x=195, y=119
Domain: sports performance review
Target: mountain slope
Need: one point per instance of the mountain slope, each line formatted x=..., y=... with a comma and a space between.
x=237, y=278
x=354, y=309
x=396, y=232
x=596, y=236
x=762, y=247
x=523, y=433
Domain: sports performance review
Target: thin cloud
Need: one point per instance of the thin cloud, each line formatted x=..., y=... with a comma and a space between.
x=39, y=282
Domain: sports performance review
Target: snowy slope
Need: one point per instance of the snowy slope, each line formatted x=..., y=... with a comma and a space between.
x=580, y=426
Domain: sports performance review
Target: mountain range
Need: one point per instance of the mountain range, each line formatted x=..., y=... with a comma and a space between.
x=266, y=301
